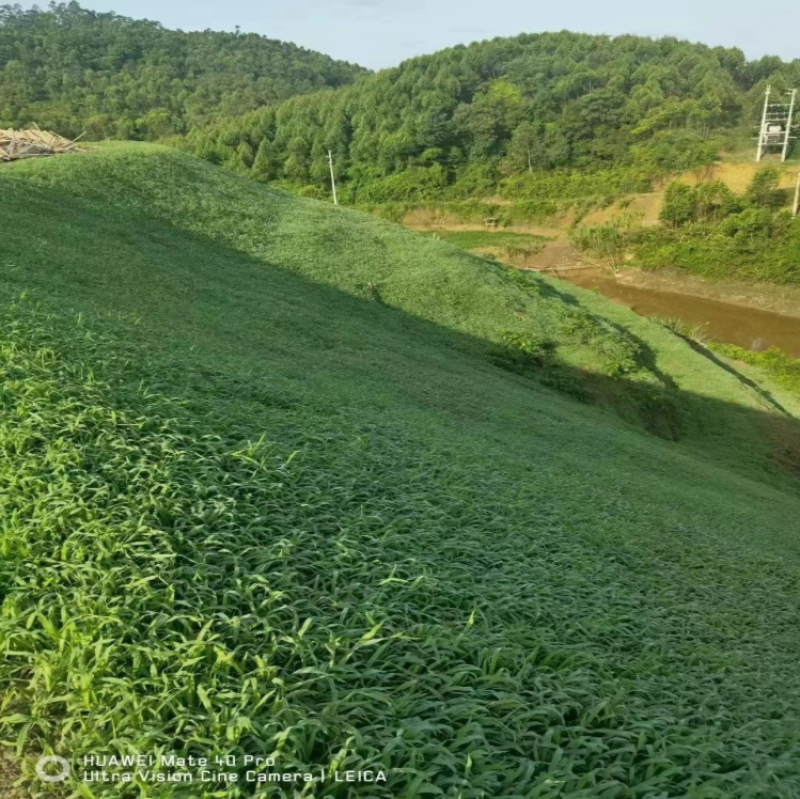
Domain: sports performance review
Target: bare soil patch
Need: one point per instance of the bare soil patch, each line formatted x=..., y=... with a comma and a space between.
x=9, y=774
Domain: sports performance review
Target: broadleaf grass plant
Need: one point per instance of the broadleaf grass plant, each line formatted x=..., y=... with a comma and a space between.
x=164, y=591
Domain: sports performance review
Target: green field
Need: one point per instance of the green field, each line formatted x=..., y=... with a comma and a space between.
x=507, y=242
x=282, y=479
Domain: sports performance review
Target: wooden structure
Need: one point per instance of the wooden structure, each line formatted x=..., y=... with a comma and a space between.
x=34, y=143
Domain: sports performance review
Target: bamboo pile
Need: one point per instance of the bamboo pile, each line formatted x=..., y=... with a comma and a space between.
x=33, y=143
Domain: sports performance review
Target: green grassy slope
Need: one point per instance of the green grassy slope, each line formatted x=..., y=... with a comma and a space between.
x=432, y=562
x=664, y=386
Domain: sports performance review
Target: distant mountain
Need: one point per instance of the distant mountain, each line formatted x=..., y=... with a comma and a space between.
x=74, y=70
x=465, y=118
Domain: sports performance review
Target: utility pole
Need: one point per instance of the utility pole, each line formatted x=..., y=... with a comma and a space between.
x=776, y=125
x=796, y=204
x=788, y=125
x=333, y=179
x=763, y=128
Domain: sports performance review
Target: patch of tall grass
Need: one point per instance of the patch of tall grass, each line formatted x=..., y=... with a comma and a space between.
x=780, y=367
x=509, y=245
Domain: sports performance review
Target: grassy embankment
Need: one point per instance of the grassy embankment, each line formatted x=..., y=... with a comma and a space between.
x=771, y=368
x=502, y=244
x=525, y=199
x=283, y=478
x=777, y=365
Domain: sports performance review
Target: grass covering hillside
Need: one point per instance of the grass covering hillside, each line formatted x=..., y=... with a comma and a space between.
x=281, y=478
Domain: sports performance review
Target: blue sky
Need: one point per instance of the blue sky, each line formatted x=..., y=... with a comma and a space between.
x=381, y=33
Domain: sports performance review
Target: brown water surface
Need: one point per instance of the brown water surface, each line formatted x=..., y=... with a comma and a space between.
x=746, y=327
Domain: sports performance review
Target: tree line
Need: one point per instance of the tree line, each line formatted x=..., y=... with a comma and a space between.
x=79, y=71
x=467, y=119
x=530, y=116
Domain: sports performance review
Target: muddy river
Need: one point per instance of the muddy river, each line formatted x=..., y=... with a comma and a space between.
x=751, y=328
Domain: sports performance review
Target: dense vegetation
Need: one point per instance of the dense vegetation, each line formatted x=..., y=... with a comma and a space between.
x=469, y=121
x=709, y=230
x=269, y=489
x=79, y=71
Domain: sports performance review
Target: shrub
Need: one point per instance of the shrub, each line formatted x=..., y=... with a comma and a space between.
x=617, y=350
x=680, y=205
x=609, y=240
x=714, y=200
x=763, y=190
x=519, y=352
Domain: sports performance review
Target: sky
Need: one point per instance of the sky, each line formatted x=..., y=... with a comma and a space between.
x=382, y=33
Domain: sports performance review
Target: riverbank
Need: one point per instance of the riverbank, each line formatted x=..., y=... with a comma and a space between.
x=783, y=300
x=740, y=322
x=755, y=316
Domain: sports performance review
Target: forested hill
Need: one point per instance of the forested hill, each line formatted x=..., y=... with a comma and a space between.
x=462, y=119
x=75, y=70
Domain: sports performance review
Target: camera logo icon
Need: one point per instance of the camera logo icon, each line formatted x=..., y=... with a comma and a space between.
x=59, y=768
